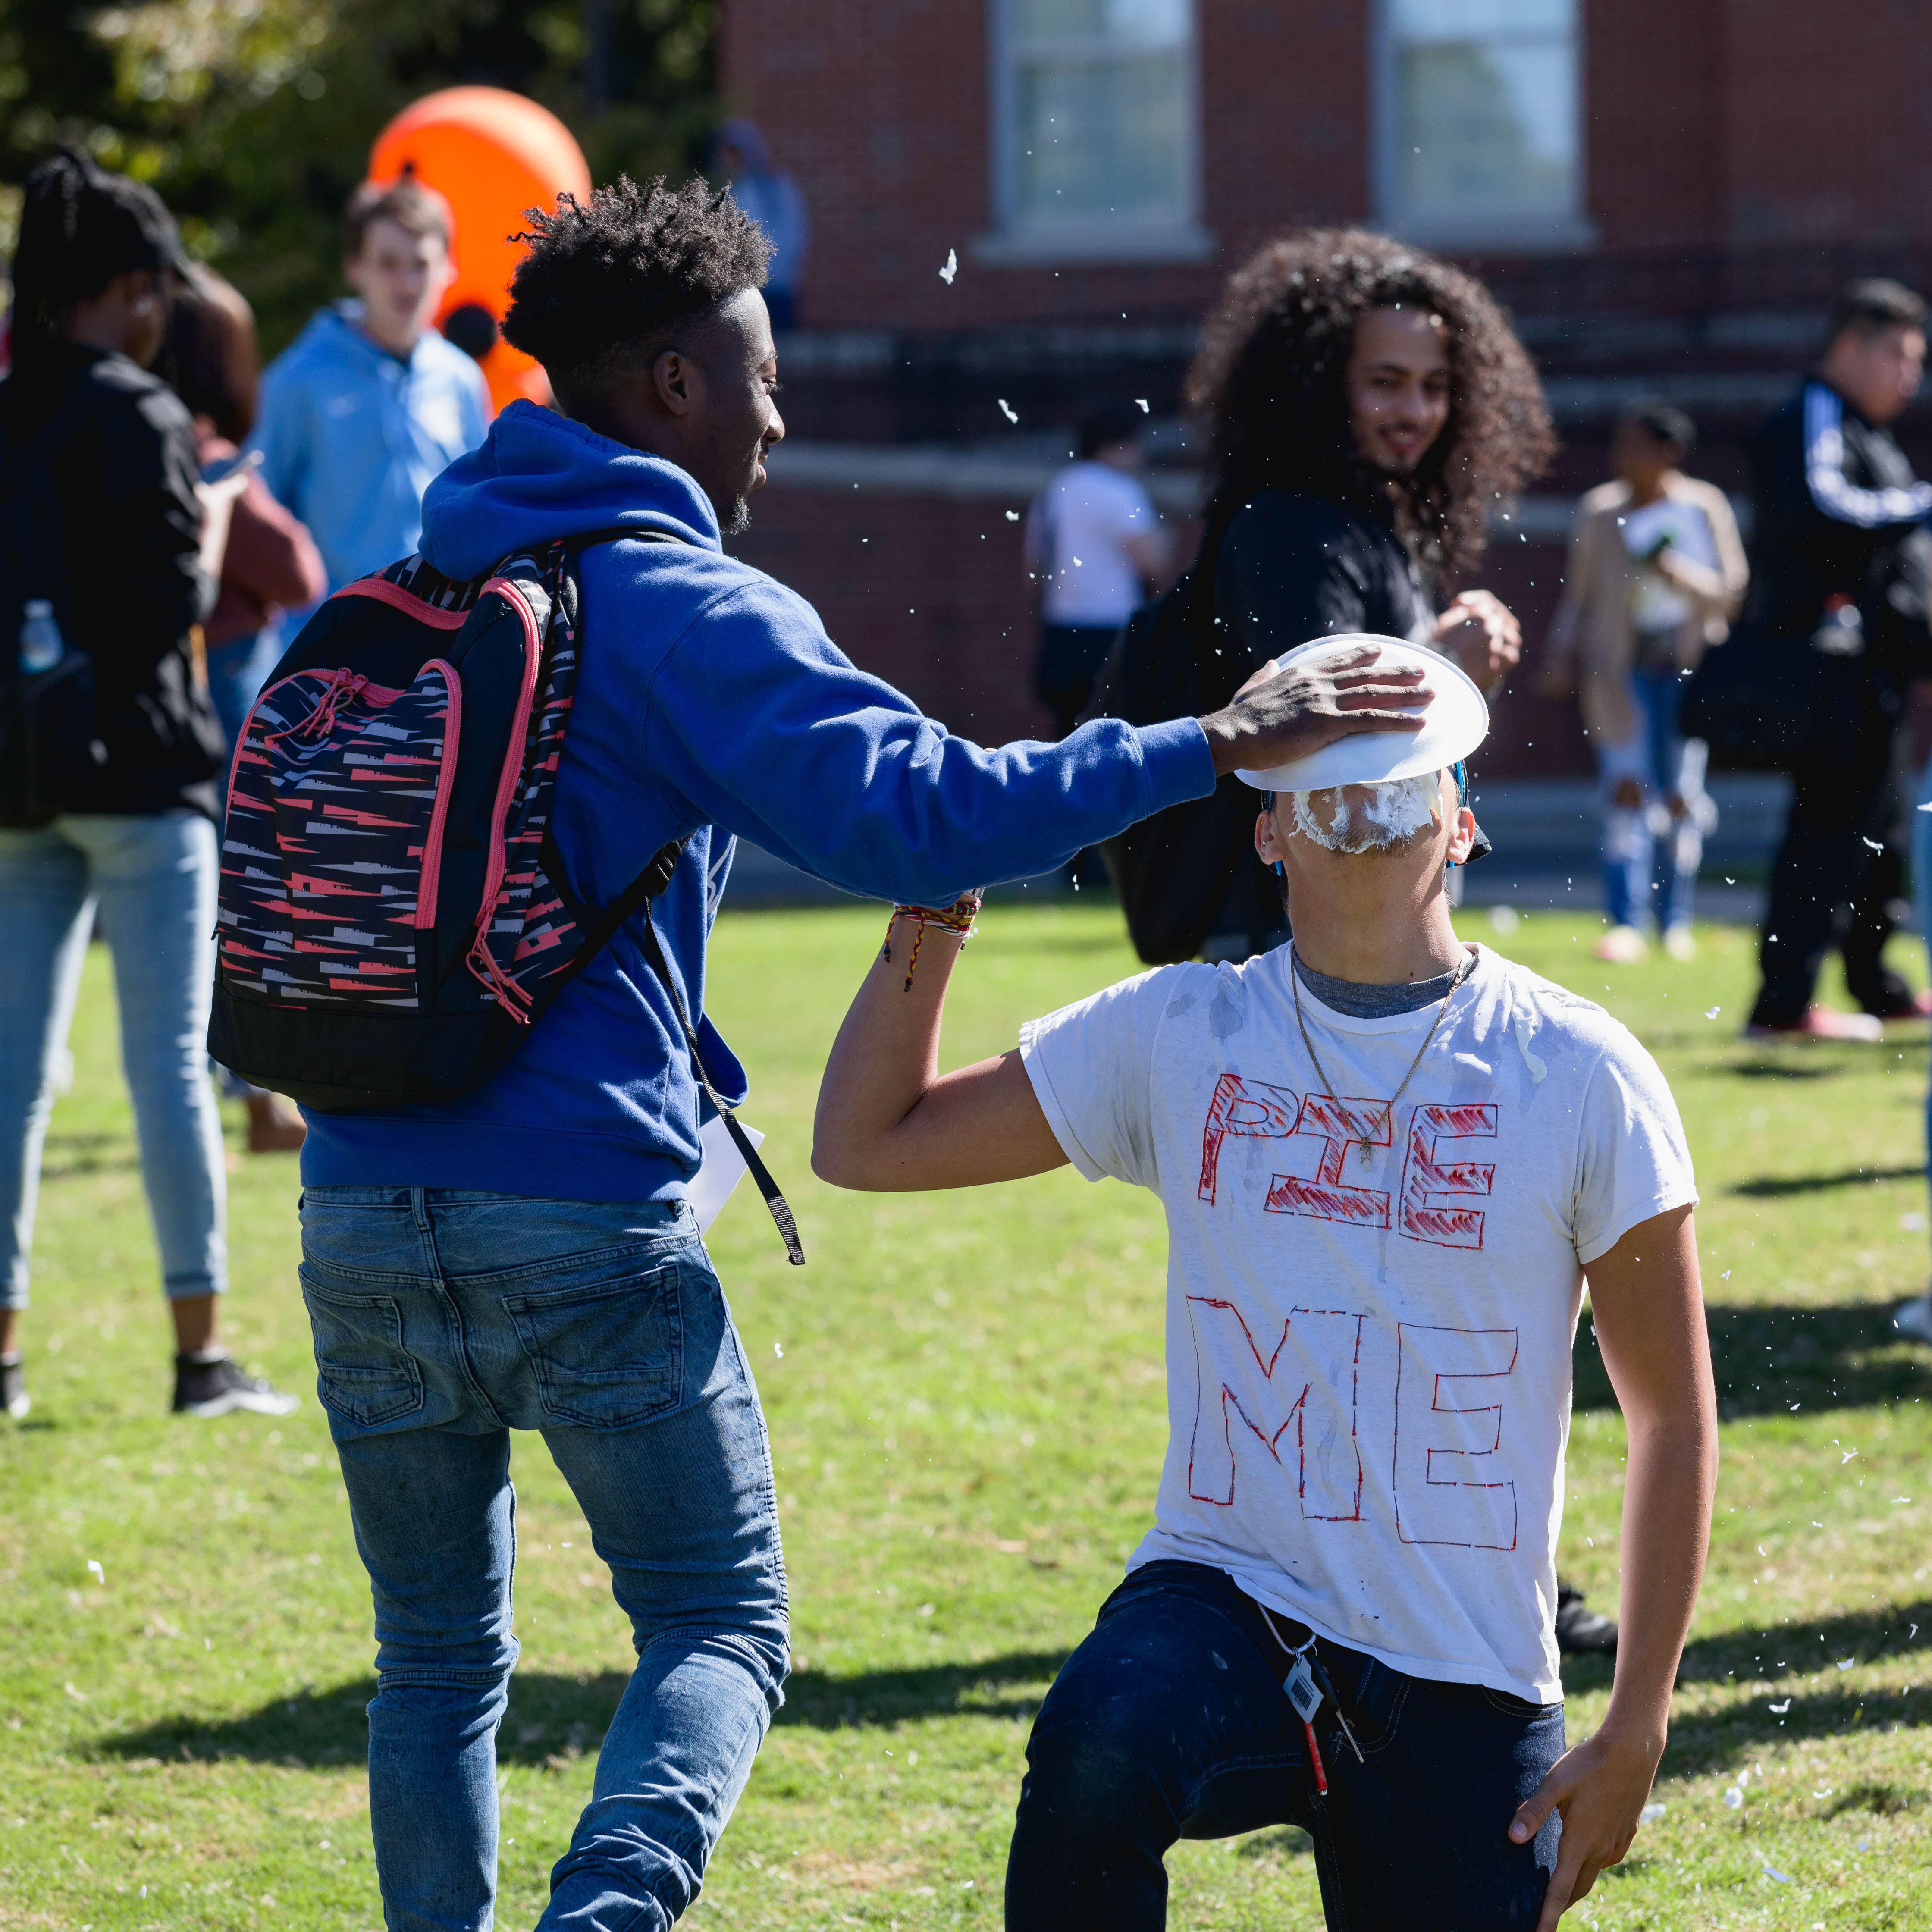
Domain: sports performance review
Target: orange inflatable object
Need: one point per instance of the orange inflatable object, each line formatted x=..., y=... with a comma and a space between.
x=491, y=155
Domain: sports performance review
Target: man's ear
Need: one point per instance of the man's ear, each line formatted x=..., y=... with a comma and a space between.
x=678, y=382
x=1462, y=836
x=1267, y=841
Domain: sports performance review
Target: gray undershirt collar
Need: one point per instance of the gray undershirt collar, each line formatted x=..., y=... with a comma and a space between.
x=1362, y=1002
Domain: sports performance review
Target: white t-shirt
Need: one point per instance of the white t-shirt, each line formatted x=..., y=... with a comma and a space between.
x=1077, y=532
x=1369, y=1361
x=1654, y=605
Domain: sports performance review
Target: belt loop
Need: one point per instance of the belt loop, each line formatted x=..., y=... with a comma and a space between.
x=419, y=1207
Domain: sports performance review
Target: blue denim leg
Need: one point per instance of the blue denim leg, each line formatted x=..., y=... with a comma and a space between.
x=153, y=876
x=1677, y=769
x=443, y=1319
x=45, y=913
x=1169, y=1722
x=1626, y=847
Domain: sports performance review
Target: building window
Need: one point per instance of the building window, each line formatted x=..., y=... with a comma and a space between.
x=1478, y=121
x=1094, y=136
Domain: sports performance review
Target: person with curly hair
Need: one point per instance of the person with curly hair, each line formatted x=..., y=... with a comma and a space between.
x=527, y=1257
x=1368, y=407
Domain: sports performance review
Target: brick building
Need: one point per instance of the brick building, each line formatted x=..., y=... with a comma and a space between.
x=1665, y=193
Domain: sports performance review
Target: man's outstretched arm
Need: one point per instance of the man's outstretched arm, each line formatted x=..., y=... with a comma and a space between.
x=1649, y=1310
x=888, y=1121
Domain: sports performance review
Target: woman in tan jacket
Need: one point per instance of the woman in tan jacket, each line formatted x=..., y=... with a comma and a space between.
x=1656, y=573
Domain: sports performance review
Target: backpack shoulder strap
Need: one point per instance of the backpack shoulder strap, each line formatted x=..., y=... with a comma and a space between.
x=775, y=1200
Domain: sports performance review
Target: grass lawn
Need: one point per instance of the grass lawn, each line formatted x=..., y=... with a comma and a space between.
x=965, y=1393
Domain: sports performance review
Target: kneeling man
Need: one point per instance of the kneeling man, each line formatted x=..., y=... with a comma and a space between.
x=1387, y=1159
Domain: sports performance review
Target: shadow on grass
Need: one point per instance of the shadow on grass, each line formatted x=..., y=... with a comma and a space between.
x=553, y=1718
x=1771, y=1359
x=1779, y=1187
x=1787, y=1658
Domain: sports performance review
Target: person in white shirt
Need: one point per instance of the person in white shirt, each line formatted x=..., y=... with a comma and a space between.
x=1387, y=1159
x=1095, y=546
x=1656, y=573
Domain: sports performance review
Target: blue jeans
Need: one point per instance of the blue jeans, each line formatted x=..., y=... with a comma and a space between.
x=1664, y=765
x=153, y=877
x=1170, y=1722
x=236, y=672
x=444, y=1319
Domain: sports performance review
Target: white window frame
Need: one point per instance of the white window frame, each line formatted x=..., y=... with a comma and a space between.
x=1542, y=232
x=1022, y=239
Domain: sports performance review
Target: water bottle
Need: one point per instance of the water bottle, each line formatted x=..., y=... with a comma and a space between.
x=41, y=643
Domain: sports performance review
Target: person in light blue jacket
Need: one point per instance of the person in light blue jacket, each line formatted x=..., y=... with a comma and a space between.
x=370, y=405
x=526, y=1257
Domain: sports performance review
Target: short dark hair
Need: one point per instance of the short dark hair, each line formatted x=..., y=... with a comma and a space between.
x=1102, y=424
x=414, y=207
x=605, y=280
x=80, y=226
x=1270, y=381
x=1870, y=306
x=1663, y=422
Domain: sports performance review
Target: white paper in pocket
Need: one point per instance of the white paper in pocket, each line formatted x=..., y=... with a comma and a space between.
x=721, y=1170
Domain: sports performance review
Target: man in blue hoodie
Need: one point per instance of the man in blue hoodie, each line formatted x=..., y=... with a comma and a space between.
x=527, y=1257
x=370, y=403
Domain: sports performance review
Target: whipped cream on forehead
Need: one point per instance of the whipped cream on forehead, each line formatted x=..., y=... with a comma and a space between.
x=1368, y=818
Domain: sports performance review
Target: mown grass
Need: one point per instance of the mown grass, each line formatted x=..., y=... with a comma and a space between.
x=966, y=1400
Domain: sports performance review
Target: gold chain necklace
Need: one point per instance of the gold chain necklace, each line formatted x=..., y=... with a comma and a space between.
x=1362, y=1140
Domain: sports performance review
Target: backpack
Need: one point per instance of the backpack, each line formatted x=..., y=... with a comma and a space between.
x=395, y=916
x=1173, y=872
x=48, y=753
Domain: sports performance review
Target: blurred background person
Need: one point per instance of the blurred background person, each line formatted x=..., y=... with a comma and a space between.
x=369, y=404
x=1839, y=554
x=1357, y=454
x=1656, y=573
x=1095, y=546
x=270, y=563
x=741, y=159
x=140, y=541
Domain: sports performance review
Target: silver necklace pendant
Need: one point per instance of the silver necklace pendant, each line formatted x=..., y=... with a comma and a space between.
x=1364, y=1146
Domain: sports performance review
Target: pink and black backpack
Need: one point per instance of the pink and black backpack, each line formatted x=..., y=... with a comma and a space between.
x=394, y=916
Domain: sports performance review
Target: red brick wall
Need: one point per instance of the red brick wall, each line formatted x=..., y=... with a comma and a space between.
x=1828, y=111
x=1654, y=122
x=880, y=108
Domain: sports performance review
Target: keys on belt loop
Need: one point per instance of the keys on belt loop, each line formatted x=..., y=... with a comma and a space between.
x=1306, y=1685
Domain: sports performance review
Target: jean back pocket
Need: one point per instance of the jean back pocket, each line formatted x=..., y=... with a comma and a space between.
x=607, y=1354
x=363, y=1372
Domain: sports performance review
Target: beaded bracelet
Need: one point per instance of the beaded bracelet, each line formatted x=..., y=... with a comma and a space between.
x=958, y=917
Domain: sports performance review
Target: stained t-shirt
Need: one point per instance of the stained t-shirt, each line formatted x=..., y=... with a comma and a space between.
x=1369, y=1372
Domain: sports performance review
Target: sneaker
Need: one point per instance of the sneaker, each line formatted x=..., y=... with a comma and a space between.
x=1914, y=1318
x=203, y=1387
x=1623, y=946
x=1679, y=944
x=1914, y=1006
x=1821, y=1023
x=14, y=1396
x=1581, y=1631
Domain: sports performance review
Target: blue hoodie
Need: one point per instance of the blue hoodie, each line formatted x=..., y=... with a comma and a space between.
x=351, y=437
x=709, y=702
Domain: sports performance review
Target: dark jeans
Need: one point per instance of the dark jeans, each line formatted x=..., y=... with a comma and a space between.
x=1071, y=656
x=1842, y=807
x=1170, y=1722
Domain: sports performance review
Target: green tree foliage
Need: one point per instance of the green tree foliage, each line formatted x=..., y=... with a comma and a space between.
x=254, y=117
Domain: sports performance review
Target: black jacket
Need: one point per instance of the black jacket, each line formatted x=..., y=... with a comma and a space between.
x=1838, y=513
x=131, y=528
x=1292, y=568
